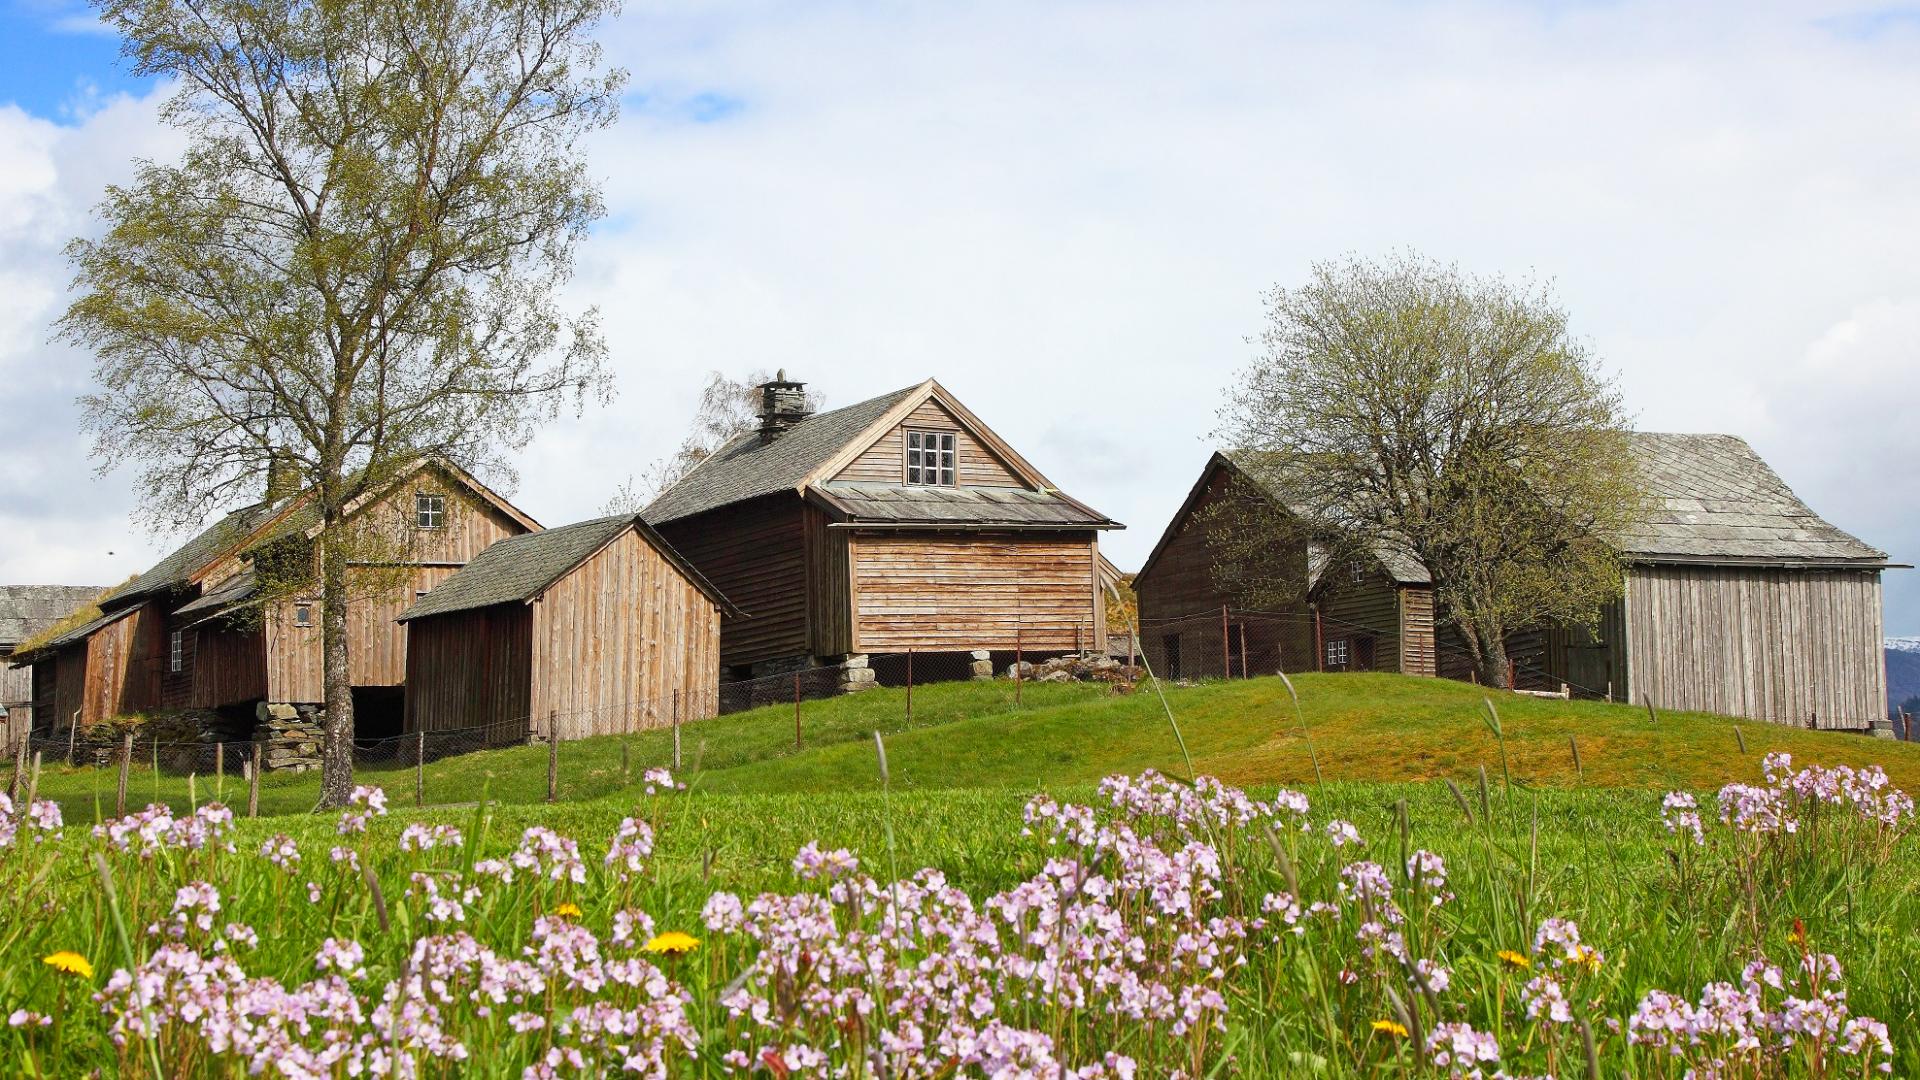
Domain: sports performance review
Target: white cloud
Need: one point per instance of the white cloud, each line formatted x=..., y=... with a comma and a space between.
x=1067, y=213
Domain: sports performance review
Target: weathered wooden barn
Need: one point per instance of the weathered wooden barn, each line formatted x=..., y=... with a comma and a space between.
x=899, y=523
x=1738, y=598
x=1373, y=614
x=27, y=611
x=196, y=631
x=590, y=629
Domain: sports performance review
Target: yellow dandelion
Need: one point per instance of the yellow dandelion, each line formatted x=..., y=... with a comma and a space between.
x=1514, y=959
x=70, y=962
x=1585, y=956
x=673, y=942
x=1391, y=1027
x=568, y=910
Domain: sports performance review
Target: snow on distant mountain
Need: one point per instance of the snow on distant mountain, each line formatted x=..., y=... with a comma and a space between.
x=1903, y=671
x=1903, y=644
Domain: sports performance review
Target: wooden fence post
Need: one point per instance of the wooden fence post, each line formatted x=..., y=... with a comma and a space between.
x=796, y=710
x=420, y=768
x=553, y=755
x=220, y=771
x=19, y=777
x=909, y=685
x=1319, y=641
x=1017, y=661
x=253, y=781
x=1245, y=671
x=1513, y=673
x=126, y=761
x=676, y=731
x=1226, y=647
x=72, y=731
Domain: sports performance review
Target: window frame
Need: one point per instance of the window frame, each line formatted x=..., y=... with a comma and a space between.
x=429, y=505
x=1339, y=652
x=303, y=615
x=175, y=648
x=946, y=448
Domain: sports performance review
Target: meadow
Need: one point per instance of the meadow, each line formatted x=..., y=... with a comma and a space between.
x=1440, y=900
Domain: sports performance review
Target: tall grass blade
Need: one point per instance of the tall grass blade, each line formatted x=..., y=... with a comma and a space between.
x=127, y=955
x=1460, y=800
x=1192, y=773
x=1301, y=715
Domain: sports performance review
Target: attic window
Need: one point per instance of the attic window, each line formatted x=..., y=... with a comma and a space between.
x=429, y=509
x=930, y=458
x=303, y=615
x=1359, y=573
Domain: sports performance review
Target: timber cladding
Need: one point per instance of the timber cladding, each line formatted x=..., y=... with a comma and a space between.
x=1774, y=644
x=621, y=641
x=885, y=461
x=755, y=553
x=940, y=592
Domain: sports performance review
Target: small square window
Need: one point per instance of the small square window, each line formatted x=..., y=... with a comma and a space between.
x=1359, y=573
x=303, y=615
x=930, y=458
x=429, y=509
x=1338, y=653
x=174, y=652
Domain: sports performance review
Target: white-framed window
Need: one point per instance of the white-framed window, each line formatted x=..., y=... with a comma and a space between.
x=1358, y=572
x=1339, y=652
x=429, y=509
x=174, y=651
x=303, y=614
x=930, y=458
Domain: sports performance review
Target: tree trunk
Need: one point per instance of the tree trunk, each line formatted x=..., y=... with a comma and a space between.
x=1486, y=648
x=336, y=754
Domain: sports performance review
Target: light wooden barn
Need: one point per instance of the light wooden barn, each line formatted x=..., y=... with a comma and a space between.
x=596, y=628
x=899, y=523
x=26, y=611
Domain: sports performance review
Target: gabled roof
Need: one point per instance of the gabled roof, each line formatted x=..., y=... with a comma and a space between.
x=520, y=568
x=900, y=505
x=747, y=468
x=182, y=564
x=25, y=610
x=74, y=636
x=1717, y=501
x=807, y=456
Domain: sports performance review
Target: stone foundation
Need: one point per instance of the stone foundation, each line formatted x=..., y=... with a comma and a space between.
x=291, y=734
x=982, y=664
x=856, y=675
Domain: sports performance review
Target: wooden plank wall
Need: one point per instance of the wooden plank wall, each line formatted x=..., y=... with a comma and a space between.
x=617, y=638
x=1417, y=640
x=1777, y=645
x=16, y=695
x=885, y=462
x=755, y=553
x=942, y=592
x=471, y=668
x=46, y=693
x=228, y=665
x=829, y=586
x=376, y=644
x=1369, y=607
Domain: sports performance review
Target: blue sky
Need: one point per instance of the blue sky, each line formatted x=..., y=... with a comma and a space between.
x=1067, y=213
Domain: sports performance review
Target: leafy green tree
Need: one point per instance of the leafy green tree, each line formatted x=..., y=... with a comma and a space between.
x=354, y=264
x=1405, y=405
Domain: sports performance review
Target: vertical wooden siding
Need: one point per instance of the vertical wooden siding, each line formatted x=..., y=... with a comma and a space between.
x=755, y=554
x=1778, y=645
x=615, y=639
x=471, y=668
x=829, y=587
x=228, y=666
x=885, y=462
x=932, y=591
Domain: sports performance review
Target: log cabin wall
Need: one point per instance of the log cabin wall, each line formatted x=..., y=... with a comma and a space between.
x=885, y=462
x=471, y=668
x=1365, y=615
x=755, y=553
x=376, y=643
x=944, y=592
x=1769, y=644
x=618, y=639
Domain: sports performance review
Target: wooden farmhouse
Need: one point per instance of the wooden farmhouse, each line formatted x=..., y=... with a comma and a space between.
x=1738, y=598
x=26, y=612
x=197, y=632
x=900, y=523
x=589, y=629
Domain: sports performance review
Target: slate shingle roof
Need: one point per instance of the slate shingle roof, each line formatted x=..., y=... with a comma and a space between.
x=1403, y=566
x=898, y=504
x=194, y=555
x=1716, y=500
x=746, y=468
x=236, y=589
x=25, y=610
x=519, y=568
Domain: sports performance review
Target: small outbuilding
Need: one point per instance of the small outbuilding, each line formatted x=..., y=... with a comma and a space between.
x=596, y=628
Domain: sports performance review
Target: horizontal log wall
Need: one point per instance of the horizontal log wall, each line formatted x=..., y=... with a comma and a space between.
x=947, y=592
x=471, y=669
x=755, y=554
x=618, y=639
x=1417, y=640
x=1778, y=645
x=885, y=462
x=1368, y=608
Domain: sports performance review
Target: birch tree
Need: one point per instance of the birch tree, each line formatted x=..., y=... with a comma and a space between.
x=355, y=263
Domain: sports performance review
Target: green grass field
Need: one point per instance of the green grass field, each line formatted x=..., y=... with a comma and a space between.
x=1586, y=846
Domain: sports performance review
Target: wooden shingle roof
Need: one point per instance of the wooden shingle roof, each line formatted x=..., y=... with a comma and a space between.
x=1715, y=500
x=190, y=558
x=520, y=568
x=25, y=610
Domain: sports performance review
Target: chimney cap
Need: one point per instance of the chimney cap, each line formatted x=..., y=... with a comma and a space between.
x=780, y=380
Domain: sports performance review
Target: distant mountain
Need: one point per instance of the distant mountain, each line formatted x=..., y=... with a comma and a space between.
x=1903, y=671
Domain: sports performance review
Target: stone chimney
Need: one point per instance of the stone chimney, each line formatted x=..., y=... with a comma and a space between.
x=782, y=405
x=283, y=476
